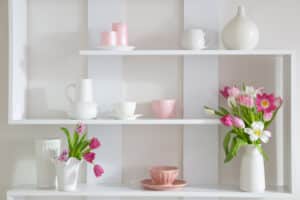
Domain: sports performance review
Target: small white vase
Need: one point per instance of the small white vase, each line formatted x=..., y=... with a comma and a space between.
x=241, y=33
x=252, y=171
x=67, y=174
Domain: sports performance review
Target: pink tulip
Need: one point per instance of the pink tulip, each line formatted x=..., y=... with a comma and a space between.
x=95, y=143
x=225, y=92
x=64, y=156
x=238, y=122
x=98, y=170
x=227, y=120
x=89, y=157
x=268, y=116
x=234, y=92
x=246, y=100
x=265, y=102
x=80, y=128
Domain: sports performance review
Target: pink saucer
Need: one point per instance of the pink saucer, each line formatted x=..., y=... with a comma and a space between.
x=149, y=185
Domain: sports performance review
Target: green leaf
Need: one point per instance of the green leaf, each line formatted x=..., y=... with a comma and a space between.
x=75, y=139
x=67, y=133
x=223, y=110
x=261, y=150
x=226, y=142
x=237, y=143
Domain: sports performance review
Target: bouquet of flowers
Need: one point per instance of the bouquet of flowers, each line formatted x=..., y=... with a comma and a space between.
x=250, y=113
x=80, y=147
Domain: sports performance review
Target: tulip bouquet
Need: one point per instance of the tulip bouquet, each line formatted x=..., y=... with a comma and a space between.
x=250, y=113
x=80, y=147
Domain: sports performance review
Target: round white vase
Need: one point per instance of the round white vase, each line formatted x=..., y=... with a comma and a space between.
x=67, y=174
x=252, y=171
x=45, y=150
x=241, y=33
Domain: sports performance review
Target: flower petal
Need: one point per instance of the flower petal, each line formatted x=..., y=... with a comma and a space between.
x=249, y=131
x=265, y=136
x=253, y=137
x=258, y=125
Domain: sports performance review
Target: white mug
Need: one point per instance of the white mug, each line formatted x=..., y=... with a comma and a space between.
x=124, y=110
x=193, y=39
x=83, y=91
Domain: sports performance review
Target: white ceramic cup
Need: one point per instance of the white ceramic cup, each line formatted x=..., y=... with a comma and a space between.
x=124, y=110
x=193, y=39
x=83, y=91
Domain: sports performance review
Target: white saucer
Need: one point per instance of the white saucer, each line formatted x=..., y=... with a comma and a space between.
x=133, y=117
x=117, y=48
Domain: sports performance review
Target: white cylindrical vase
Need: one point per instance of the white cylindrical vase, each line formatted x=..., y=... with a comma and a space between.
x=252, y=170
x=45, y=150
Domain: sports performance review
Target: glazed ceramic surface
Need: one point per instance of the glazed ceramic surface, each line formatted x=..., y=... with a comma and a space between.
x=122, y=33
x=164, y=175
x=193, y=39
x=67, y=174
x=82, y=105
x=150, y=185
x=45, y=150
x=252, y=171
x=165, y=108
x=108, y=38
x=124, y=110
x=241, y=32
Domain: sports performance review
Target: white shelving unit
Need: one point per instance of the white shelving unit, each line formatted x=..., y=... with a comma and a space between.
x=199, y=83
x=135, y=191
x=118, y=122
x=221, y=52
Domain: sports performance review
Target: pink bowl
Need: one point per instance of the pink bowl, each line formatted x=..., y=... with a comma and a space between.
x=164, y=175
x=165, y=108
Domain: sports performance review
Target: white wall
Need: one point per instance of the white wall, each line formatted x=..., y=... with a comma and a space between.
x=277, y=21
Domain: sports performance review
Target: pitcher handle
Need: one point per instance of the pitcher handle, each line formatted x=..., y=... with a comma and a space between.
x=67, y=92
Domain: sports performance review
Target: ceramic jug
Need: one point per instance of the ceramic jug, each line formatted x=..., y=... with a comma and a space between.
x=82, y=104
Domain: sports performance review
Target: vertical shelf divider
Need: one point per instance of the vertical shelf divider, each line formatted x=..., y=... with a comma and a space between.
x=106, y=73
x=200, y=87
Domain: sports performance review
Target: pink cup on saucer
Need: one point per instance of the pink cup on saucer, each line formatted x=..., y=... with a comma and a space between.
x=165, y=108
x=108, y=39
x=122, y=33
x=164, y=175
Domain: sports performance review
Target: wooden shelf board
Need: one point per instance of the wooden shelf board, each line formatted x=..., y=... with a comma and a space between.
x=136, y=191
x=220, y=52
x=117, y=122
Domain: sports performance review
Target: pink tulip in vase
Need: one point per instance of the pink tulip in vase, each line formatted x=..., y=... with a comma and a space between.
x=249, y=115
x=80, y=149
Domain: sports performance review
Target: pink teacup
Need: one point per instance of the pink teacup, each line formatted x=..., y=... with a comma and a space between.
x=165, y=108
x=164, y=175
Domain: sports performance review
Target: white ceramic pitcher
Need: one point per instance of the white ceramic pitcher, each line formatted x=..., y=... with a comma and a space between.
x=83, y=91
x=82, y=104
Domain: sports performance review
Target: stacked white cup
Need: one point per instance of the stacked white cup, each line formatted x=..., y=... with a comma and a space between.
x=83, y=105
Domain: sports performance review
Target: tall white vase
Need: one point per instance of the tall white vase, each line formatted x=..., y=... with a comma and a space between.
x=45, y=150
x=67, y=174
x=241, y=32
x=252, y=171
